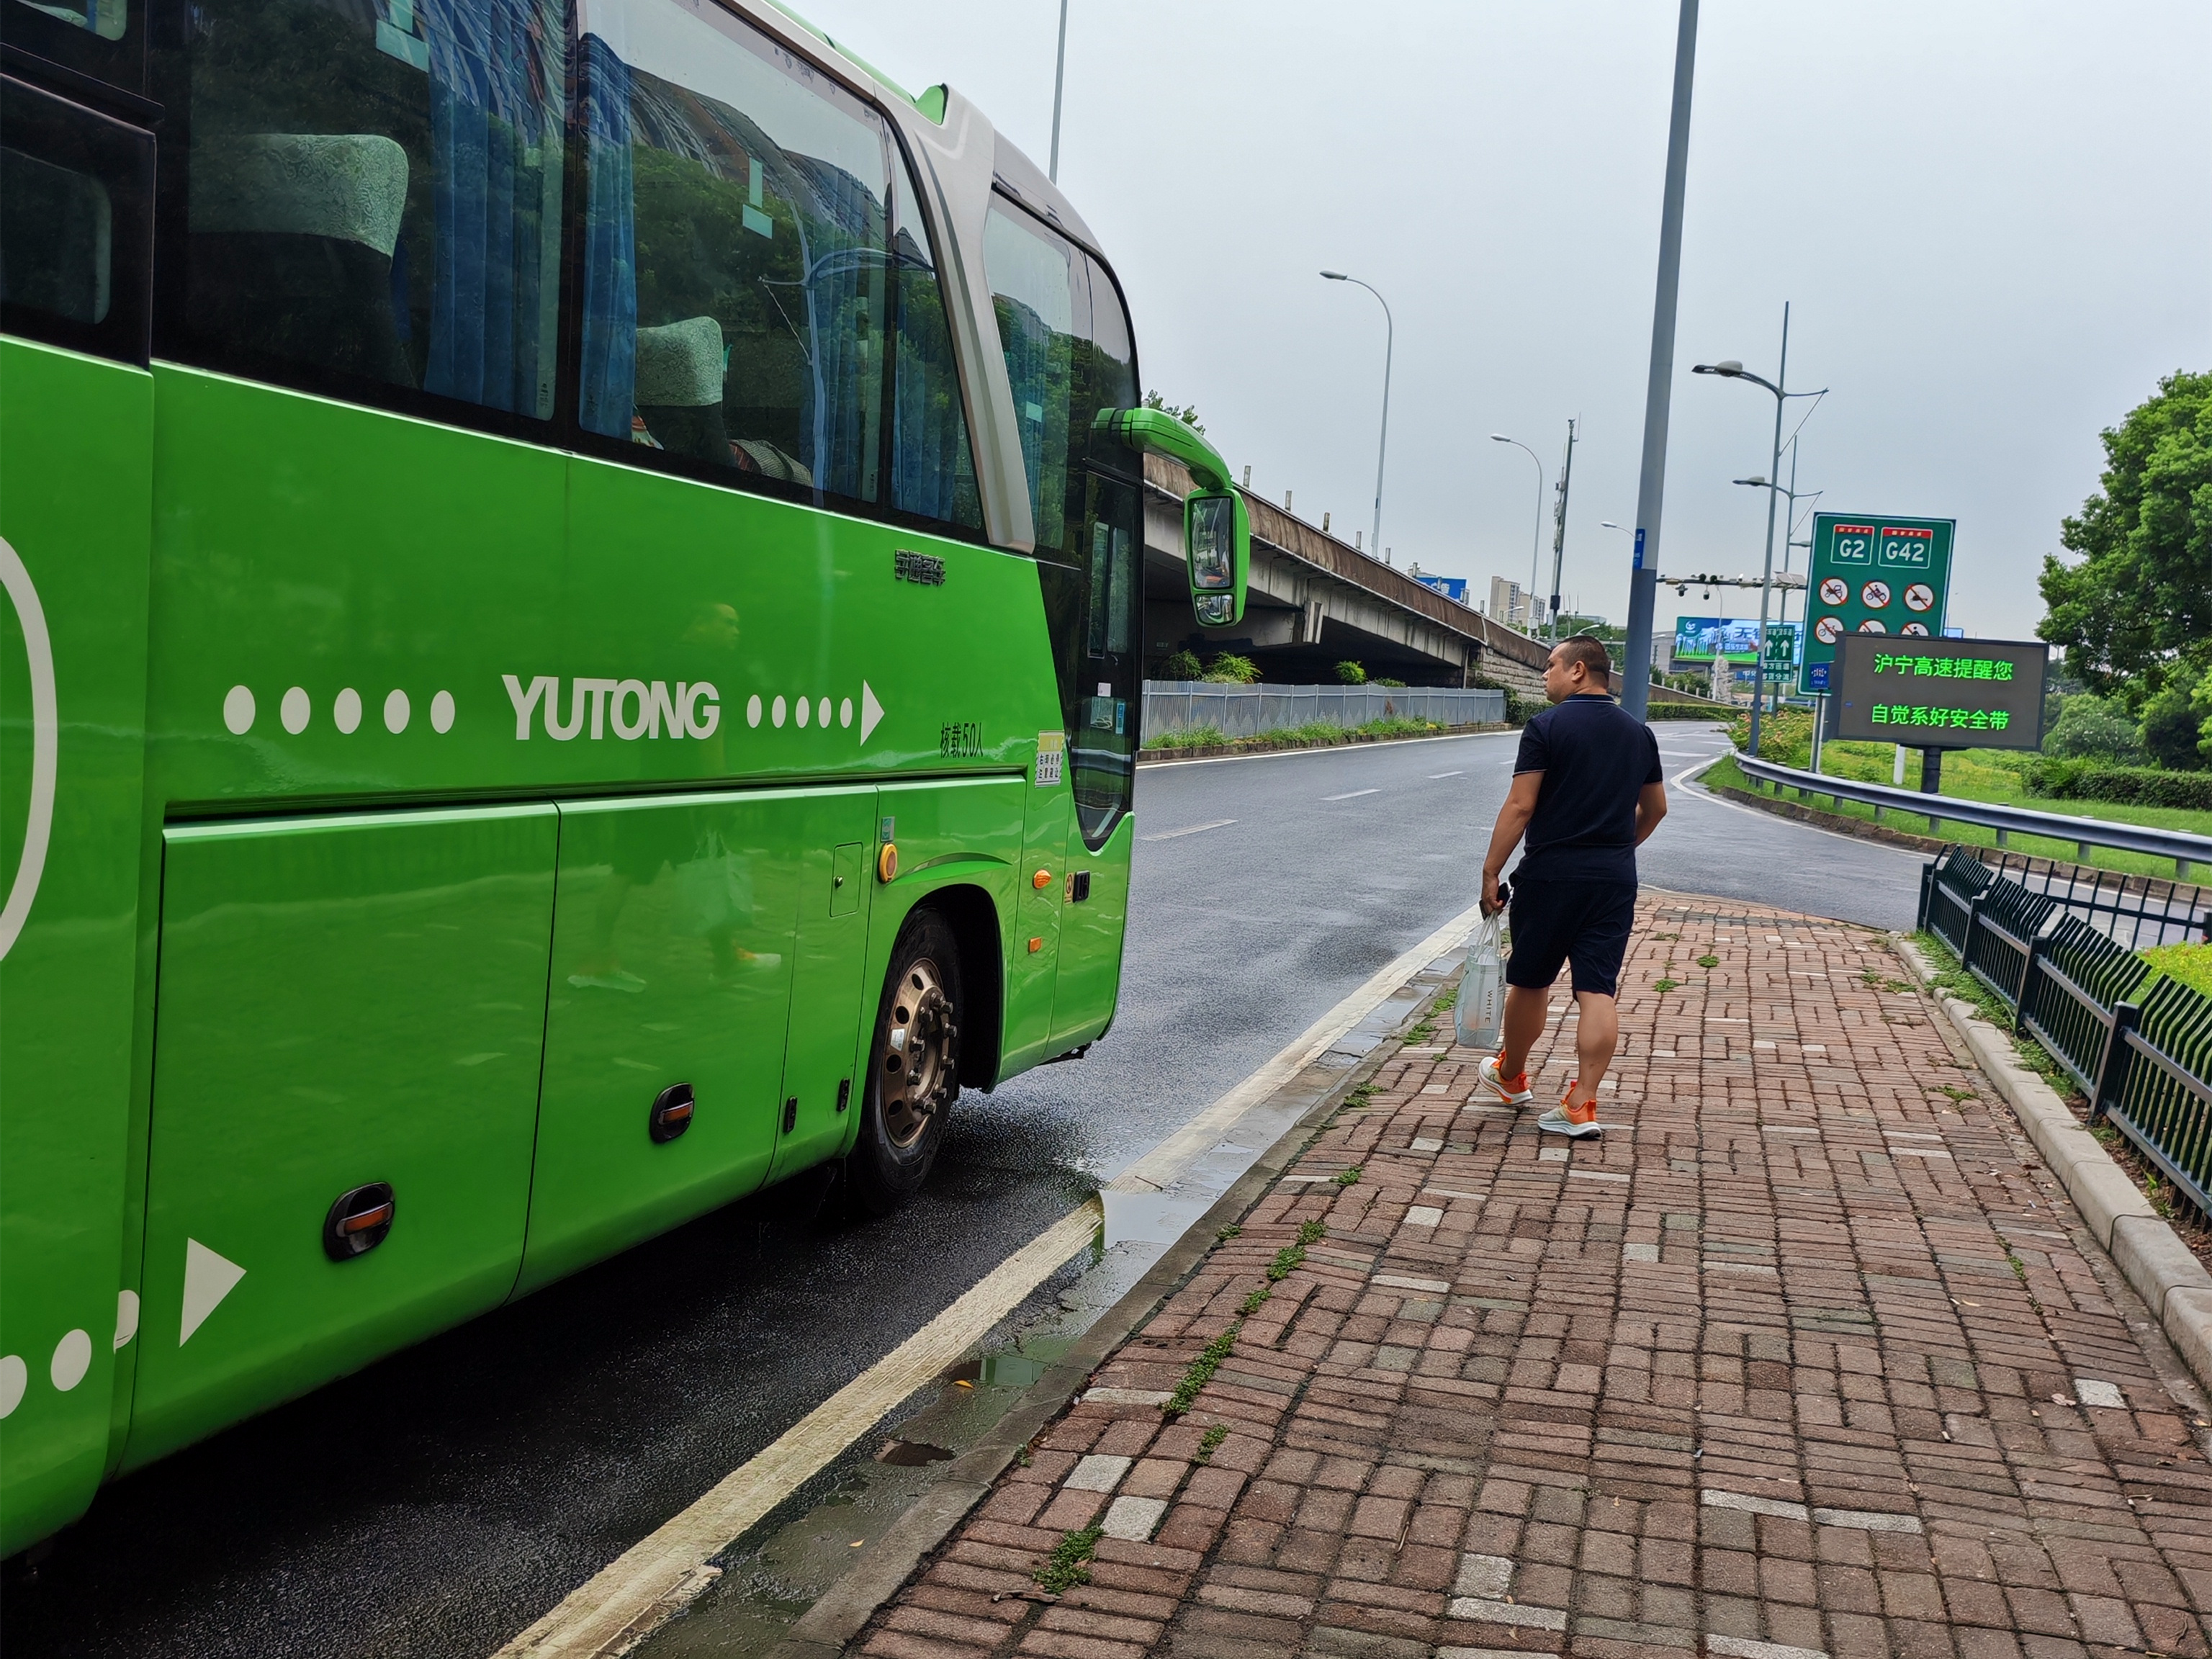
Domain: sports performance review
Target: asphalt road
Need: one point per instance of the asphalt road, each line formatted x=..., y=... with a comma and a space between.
x=439, y=1502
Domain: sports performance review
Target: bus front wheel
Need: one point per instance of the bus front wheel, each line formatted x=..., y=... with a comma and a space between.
x=913, y=1069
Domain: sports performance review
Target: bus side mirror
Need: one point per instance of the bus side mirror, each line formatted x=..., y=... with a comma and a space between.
x=1217, y=541
x=1217, y=528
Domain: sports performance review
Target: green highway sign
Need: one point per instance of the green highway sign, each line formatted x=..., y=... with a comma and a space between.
x=1874, y=573
x=1782, y=647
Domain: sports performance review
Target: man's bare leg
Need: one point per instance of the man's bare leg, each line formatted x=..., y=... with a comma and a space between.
x=1597, y=1036
x=1527, y=1013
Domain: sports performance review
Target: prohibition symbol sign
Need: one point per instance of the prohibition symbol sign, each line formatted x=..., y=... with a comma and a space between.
x=1835, y=591
x=1876, y=595
x=46, y=734
x=1919, y=596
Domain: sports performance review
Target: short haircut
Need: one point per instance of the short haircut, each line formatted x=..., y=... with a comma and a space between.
x=1589, y=653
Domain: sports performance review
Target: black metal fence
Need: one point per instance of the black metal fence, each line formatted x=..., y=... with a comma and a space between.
x=2056, y=945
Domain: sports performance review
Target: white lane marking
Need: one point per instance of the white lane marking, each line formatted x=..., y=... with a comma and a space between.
x=1692, y=790
x=658, y=1576
x=1333, y=749
x=1352, y=794
x=1190, y=830
x=1433, y=776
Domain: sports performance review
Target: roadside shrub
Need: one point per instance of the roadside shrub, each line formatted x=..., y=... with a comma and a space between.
x=2172, y=724
x=1785, y=737
x=2190, y=964
x=1229, y=669
x=1184, y=665
x=1386, y=680
x=1350, y=673
x=2126, y=786
x=1682, y=711
x=1188, y=737
x=2090, y=728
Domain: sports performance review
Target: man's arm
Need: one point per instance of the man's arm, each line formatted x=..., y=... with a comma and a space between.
x=1650, y=807
x=1512, y=819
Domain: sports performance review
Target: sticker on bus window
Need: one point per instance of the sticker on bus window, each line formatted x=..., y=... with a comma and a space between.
x=1050, y=747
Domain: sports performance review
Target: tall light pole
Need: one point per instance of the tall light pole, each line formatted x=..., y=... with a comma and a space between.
x=1733, y=370
x=1559, y=530
x=1389, y=345
x=1058, y=82
x=1652, y=485
x=1795, y=495
x=1536, y=530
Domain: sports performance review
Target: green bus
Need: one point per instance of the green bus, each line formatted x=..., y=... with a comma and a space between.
x=573, y=572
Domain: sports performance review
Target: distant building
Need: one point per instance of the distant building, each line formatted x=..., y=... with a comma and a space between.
x=1507, y=604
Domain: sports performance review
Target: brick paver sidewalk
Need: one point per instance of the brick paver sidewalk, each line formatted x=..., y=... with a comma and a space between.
x=1803, y=1359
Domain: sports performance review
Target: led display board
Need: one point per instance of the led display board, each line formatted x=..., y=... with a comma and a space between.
x=1940, y=693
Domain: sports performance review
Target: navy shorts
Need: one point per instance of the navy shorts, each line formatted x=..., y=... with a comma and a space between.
x=1584, y=922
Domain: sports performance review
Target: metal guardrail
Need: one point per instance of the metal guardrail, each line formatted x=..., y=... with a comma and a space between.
x=2184, y=848
x=1244, y=711
x=2141, y=1058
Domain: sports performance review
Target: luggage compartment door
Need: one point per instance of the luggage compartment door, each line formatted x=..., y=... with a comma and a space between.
x=348, y=1037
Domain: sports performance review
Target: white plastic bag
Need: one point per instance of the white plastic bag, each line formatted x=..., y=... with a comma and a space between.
x=1479, y=1015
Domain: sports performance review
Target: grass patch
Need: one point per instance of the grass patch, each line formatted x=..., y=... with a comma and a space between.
x=1425, y=1032
x=1314, y=733
x=1312, y=1232
x=1069, y=1564
x=1200, y=1373
x=1349, y=1177
x=1709, y=961
x=1230, y=1232
x=2190, y=964
x=1446, y=999
x=1663, y=986
x=1254, y=1303
x=1211, y=1443
x=1969, y=774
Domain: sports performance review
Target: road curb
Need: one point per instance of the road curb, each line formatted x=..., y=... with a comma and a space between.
x=844, y=1610
x=2172, y=1282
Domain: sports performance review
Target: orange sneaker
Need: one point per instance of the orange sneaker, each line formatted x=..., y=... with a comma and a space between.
x=1575, y=1122
x=1513, y=1091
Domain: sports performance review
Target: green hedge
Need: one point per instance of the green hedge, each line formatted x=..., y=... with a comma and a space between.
x=2128, y=786
x=1655, y=710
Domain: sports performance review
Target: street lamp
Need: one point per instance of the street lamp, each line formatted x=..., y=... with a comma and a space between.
x=1729, y=368
x=1536, y=530
x=1390, y=344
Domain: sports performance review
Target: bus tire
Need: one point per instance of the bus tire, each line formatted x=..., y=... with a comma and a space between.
x=913, y=1068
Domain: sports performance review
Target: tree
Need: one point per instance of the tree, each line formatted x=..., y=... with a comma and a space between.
x=1188, y=415
x=2135, y=615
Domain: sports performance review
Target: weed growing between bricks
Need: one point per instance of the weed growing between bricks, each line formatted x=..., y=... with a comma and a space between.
x=1070, y=1565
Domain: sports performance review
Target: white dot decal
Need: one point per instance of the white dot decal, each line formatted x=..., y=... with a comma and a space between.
x=845, y=712
x=396, y=712
x=823, y=713
x=752, y=709
x=441, y=712
x=126, y=1316
x=806, y=711
x=345, y=709
x=295, y=710
x=238, y=711
x=72, y=1359
x=775, y=713
x=14, y=1378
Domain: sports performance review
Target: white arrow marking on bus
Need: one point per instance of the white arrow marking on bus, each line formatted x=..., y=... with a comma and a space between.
x=870, y=710
x=208, y=1278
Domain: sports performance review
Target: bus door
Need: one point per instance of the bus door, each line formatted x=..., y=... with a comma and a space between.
x=75, y=456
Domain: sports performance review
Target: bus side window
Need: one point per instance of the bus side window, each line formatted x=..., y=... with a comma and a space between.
x=374, y=195
x=75, y=225
x=735, y=280
x=933, y=472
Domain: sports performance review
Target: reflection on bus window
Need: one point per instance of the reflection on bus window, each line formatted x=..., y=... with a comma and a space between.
x=375, y=191
x=57, y=238
x=933, y=473
x=107, y=19
x=736, y=254
x=1068, y=356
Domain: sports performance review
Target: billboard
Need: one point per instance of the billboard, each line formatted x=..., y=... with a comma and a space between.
x=1874, y=573
x=1702, y=639
x=1940, y=693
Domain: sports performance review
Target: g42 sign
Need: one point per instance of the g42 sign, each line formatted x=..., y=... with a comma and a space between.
x=1874, y=573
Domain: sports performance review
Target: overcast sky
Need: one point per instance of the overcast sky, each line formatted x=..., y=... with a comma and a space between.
x=1994, y=222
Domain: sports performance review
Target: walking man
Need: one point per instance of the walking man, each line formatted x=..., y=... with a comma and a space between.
x=1587, y=791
